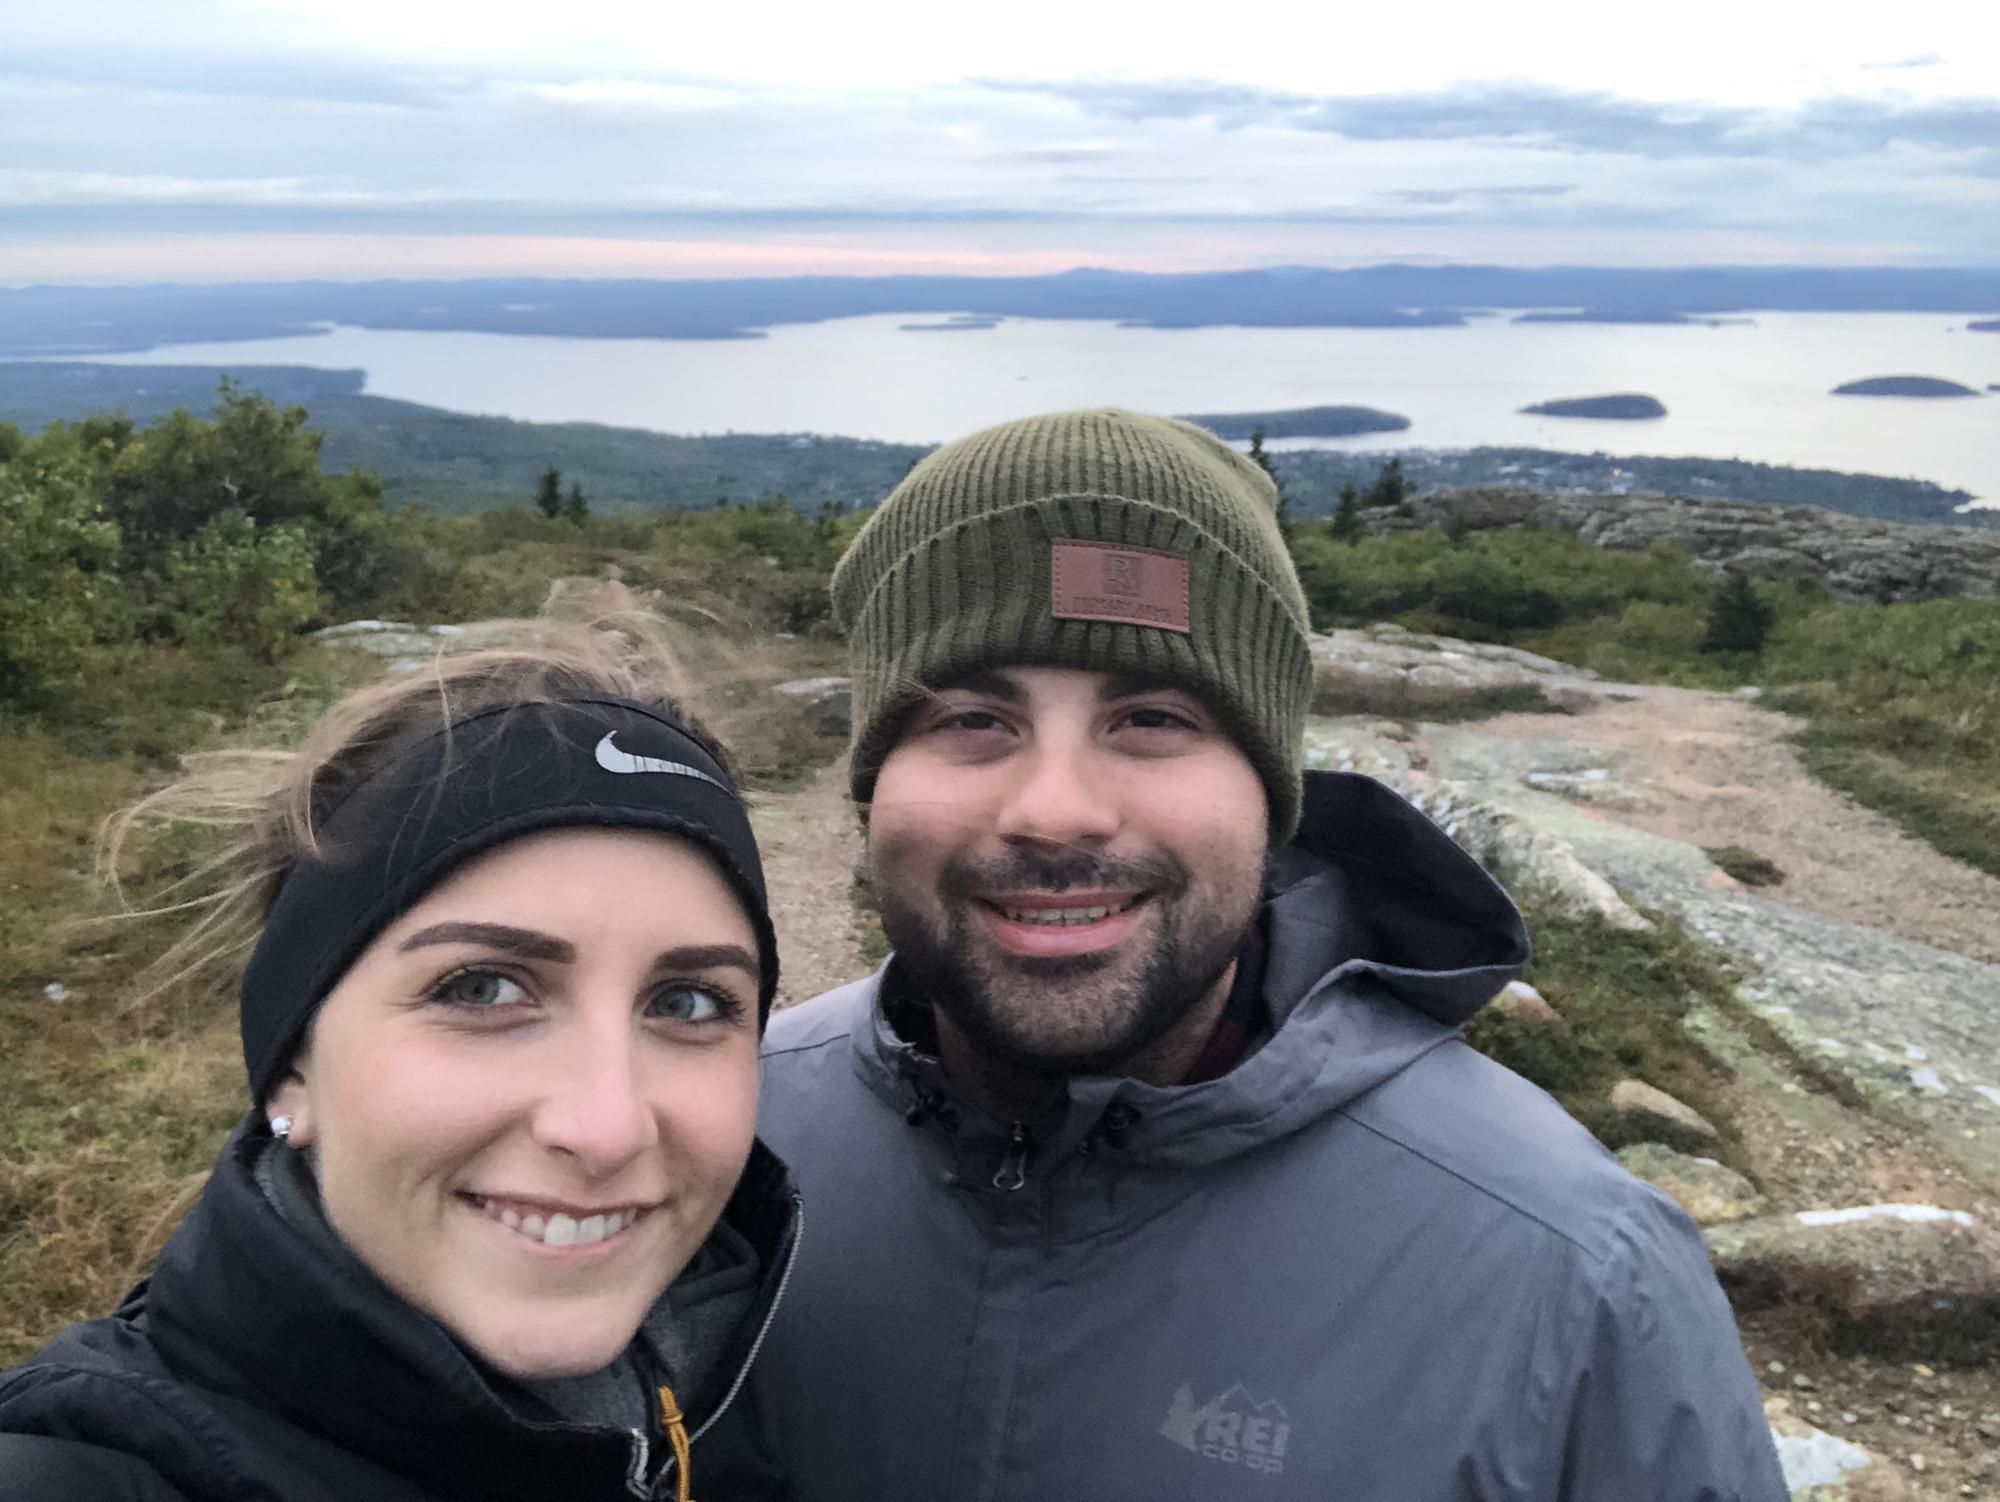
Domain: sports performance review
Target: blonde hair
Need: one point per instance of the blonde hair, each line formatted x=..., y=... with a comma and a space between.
x=261, y=803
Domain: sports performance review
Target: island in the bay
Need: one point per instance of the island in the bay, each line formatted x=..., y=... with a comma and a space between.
x=1618, y=406
x=1903, y=385
x=1300, y=422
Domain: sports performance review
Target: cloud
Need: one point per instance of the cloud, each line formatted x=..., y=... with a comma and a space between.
x=1592, y=121
x=631, y=96
x=294, y=79
x=1498, y=192
x=1921, y=60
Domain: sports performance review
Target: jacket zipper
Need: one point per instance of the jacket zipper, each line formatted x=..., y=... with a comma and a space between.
x=635, y=1474
x=1013, y=1170
x=742, y=1372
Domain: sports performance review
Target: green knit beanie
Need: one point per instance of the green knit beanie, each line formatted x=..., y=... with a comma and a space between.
x=1102, y=540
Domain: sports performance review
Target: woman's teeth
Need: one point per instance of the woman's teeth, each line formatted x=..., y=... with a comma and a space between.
x=560, y=1229
x=1064, y=917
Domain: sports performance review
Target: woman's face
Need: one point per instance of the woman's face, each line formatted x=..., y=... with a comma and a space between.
x=532, y=1094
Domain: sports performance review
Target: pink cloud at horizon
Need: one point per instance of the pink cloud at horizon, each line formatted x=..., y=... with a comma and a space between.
x=346, y=256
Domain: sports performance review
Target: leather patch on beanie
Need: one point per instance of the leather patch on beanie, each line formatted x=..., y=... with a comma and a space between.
x=1100, y=581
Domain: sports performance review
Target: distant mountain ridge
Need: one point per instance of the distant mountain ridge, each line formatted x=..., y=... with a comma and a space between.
x=58, y=321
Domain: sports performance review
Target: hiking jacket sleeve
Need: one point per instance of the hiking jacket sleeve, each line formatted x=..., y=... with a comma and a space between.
x=1659, y=1404
x=38, y=1468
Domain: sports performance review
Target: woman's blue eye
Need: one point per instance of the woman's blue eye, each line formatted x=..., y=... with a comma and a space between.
x=690, y=1004
x=479, y=988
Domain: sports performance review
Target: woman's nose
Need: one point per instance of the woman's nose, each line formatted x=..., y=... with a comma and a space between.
x=593, y=1107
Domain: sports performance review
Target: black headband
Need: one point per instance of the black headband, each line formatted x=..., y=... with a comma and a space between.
x=494, y=775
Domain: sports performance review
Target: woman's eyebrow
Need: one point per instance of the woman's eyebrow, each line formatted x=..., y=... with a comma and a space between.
x=524, y=942
x=708, y=957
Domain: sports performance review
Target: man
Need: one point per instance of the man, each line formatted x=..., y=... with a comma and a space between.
x=1152, y=1165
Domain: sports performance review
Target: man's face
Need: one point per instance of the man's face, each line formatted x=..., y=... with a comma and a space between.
x=1066, y=861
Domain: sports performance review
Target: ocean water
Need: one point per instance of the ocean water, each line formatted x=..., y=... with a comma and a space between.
x=1755, y=388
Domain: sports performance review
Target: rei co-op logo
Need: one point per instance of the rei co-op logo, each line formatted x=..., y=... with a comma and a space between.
x=1234, y=1428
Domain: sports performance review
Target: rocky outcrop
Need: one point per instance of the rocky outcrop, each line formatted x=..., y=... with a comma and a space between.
x=1858, y=557
x=1386, y=670
x=1710, y=1192
x=1895, y=1280
x=1822, y=1467
x=1658, y=1114
x=829, y=703
x=1520, y=856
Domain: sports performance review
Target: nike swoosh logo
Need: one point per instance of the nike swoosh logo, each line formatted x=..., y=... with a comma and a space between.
x=612, y=759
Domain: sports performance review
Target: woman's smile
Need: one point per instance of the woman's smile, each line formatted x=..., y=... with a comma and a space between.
x=540, y=1222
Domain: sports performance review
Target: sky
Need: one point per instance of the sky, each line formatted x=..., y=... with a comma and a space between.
x=226, y=140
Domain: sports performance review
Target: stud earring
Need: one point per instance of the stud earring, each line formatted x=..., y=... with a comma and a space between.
x=281, y=1127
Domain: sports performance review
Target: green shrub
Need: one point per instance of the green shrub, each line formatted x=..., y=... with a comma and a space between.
x=56, y=553
x=1745, y=865
x=238, y=583
x=1902, y=704
x=1504, y=586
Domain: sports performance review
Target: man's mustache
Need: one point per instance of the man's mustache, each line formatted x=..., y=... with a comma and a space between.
x=1062, y=871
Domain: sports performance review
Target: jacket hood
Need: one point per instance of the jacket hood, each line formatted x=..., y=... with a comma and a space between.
x=1393, y=898
x=1384, y=938
x=248, y=1302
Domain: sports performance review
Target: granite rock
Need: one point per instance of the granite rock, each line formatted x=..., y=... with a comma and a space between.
x=1857, y=557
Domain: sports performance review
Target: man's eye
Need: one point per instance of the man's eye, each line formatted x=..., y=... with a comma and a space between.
x=970, y=719
x=480, y=989
x=1158, y=719
x=693, y=1004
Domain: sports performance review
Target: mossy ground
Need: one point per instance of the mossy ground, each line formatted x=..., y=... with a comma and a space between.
x=1624, y=996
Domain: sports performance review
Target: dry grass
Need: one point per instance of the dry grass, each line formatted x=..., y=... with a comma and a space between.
x=104, y=1112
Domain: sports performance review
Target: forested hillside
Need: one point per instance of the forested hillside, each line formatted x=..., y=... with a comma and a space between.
x=450, y=461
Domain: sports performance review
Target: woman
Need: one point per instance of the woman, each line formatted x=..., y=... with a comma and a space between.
x=496, y=1226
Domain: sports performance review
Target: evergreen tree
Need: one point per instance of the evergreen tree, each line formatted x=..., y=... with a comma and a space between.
x=1347, y=524
x=574, y=507
x=1738, y=618
x=1389, y=487
x=1261, y=457
x=548, y=492
x=1258, y=456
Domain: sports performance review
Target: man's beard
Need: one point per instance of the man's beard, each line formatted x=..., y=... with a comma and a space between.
x=1063, y=1015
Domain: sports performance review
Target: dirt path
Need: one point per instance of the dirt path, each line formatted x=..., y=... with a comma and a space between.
x=810, y=842
x=1710, y=770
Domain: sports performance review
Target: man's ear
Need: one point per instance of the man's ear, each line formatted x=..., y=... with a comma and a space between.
x=292, y=1099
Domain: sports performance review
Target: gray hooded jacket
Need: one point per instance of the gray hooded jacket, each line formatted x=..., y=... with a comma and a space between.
x=1365, y=1265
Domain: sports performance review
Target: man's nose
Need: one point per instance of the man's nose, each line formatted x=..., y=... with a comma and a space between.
x=1064, y=794
x=593, y=1107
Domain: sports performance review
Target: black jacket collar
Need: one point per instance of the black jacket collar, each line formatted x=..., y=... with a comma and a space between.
x=243, y=1302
